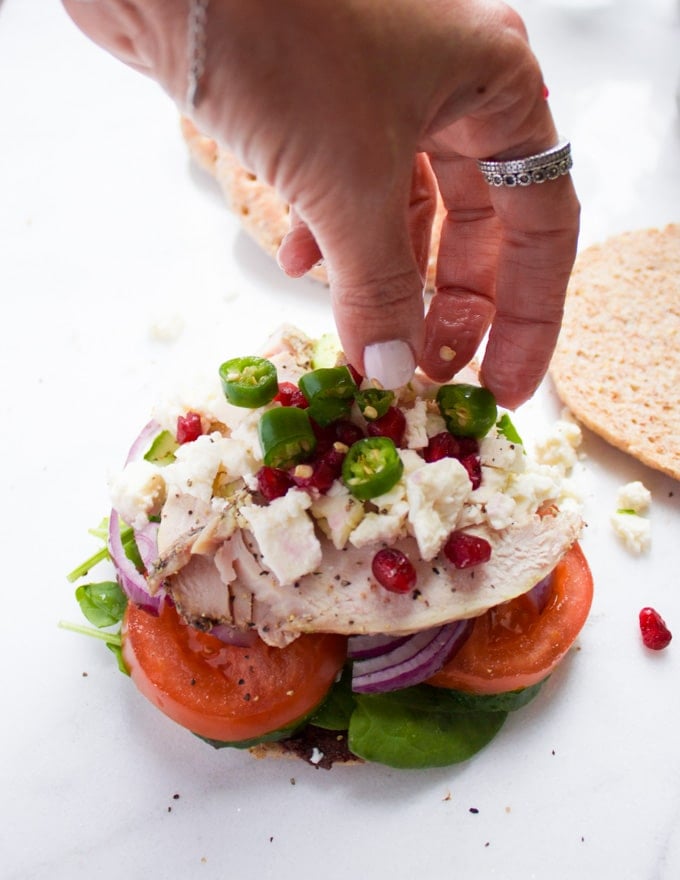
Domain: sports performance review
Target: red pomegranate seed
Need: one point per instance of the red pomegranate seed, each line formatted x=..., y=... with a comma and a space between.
x=465, y=550
x=394, y=570
x=189, y=427
x=392, y=425
x=473, y=466
x=290, y=395
x=273, y=482
x=320, y=474
x=442, y=445
x=347, y=432
x=655, y=633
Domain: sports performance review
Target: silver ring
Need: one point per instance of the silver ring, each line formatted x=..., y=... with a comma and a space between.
x=549, y=165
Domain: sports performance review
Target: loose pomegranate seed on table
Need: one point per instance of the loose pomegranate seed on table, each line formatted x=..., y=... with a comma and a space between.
x=655, y=633
x=189, y=427
x=465, y=550
x=394, y=570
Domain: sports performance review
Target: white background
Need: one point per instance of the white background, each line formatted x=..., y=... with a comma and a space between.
x=106, y=229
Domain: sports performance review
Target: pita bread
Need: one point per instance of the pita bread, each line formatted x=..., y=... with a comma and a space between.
x=617, y=362
x=264, y=215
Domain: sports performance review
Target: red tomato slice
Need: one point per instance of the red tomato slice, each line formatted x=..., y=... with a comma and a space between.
x=225, y=692
x=513, y=645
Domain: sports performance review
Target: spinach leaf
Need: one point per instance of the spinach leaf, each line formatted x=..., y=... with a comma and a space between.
x=103, y=604
x=335, y=711
x=509, y=701
x=418, y=728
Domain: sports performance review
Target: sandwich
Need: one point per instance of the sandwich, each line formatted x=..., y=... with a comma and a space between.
x=309, y=564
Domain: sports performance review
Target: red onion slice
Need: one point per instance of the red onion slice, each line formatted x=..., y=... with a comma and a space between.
x=231, y=635
x=413, y=661
x=365, y=647
x=143, y=441
x=132, y=582
x=540, y=593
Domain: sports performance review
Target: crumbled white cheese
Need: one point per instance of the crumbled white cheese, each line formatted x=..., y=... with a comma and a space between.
x=285, y=535
x=338, y=513
x=138, y=492
x=167, y=328
x=502, y=454
x=436, y=493
x=196, y=465
x=375, y=528
x=500, y=511
x=415, y=435
x=634, y=531
x=634, y=496
x=560, y=447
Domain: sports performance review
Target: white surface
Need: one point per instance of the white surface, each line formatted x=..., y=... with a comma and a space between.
x=106, y=228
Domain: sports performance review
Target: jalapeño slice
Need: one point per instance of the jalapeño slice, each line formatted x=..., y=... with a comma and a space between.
x=286, y=436
x=249, y=381
x=371, y=467
x=468, y=410
x=373, y=403
x=330, y=393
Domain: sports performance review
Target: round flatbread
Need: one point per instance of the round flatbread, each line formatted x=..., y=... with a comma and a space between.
x=263, y=214
x=617, y=362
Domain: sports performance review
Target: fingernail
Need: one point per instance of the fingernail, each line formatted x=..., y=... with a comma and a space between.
x=391, y=363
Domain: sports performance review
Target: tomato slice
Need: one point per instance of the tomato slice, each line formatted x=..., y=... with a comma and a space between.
x=224, y=692
x=513, y=645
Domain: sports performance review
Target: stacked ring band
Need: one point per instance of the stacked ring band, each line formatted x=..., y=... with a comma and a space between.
x=548, y=165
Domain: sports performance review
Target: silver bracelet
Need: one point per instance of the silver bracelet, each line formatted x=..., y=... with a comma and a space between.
x=196, y=50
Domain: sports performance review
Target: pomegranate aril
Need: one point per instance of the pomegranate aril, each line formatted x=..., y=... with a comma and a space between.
x=392, y=425
x=273, y=482
x=465, y=550
x=394, y=570
x=473, y=466
x=347, y=432
x=189, y=427
x=440, y=446
x=655, y=633
x=290, y=395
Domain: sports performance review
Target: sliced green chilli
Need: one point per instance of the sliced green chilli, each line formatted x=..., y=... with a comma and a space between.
x=371, y=467
x=286, y=436
x=373, y=403
x=468, y=410
x=249, y=381
x=330, y=393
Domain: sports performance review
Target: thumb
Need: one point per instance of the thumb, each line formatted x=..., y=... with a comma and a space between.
x=376, y=257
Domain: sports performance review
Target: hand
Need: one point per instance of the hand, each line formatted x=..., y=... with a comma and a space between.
x=331, y=103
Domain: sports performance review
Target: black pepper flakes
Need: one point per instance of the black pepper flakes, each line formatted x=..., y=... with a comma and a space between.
x=474, y=810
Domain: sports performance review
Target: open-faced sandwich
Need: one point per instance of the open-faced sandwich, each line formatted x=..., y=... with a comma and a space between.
x=306, y=562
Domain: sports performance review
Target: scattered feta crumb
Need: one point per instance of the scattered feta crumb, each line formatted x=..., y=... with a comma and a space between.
x=316, y=757
x=635, y=531
x=138, y=492
x=634, y=496
x=560, y=448
x=167, y=328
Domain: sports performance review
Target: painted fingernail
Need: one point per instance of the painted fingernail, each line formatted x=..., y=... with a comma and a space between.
x=390, y=363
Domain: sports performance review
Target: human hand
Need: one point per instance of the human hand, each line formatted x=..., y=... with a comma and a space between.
x=331, y=104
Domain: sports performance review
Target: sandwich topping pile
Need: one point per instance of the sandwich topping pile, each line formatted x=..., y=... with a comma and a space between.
x=301, y=554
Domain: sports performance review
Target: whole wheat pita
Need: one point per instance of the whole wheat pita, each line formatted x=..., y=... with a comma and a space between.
x=617, y=362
